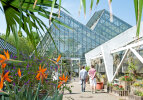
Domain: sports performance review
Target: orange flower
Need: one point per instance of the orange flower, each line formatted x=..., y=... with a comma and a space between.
x=1, y=83
x=60, y=83
x=6, y=57
x=41, y=73
x=6, y=77
x=3, y=65
x=19, y=72
x=7, y=54
x=63, y=79
x=58, y=59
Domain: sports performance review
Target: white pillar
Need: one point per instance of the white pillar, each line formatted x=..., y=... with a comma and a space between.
x=108, y=61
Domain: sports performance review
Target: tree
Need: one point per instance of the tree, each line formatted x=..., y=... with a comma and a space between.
x=25, y=14
x=25, y=46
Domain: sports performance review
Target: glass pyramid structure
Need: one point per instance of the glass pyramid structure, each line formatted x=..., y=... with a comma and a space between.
x=82, y=38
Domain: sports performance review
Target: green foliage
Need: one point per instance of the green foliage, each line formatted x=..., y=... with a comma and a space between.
x=138, y=84
x=117, y=87
x=27, y=87
x=131, y=67
x=87, y=68
x=68, y=88
x=98, y=77
x=25, y=46
x=138, y=5
x=25, y=13
x=138, y=93
x=126, y=78
x=28, y=93
x=110, y=84
x=36, y=37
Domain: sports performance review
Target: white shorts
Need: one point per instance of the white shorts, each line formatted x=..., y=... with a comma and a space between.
x=92, y=82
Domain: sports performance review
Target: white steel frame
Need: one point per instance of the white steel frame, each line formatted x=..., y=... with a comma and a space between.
x=117, y=44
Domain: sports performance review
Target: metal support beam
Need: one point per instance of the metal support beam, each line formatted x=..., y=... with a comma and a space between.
x=119, y=66
x=137, y=54
x=127, y=47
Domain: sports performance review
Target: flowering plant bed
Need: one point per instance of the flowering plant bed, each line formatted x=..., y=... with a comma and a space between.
x=135, y=97
x=30, y=80
x=126, y=78
x=126, y=81
x=117, y=87
x=137, y=86
x=120, y=92
x=127, y=85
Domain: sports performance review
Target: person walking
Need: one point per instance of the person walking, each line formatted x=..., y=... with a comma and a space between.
x=92, y=79
x=83, y=76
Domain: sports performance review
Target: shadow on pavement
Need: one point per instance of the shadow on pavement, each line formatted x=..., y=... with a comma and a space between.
x=70, y=93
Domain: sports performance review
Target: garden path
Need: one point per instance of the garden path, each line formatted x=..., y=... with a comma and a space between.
x=87, y=95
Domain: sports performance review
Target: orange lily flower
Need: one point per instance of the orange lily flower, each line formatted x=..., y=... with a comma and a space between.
x=1, y=83
x=6, y=77
x=41, y=73
x=19, y=72
x=63, y=79
x=6, y=57
x=3, y=65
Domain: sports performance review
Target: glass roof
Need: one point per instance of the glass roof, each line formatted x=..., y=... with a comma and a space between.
x=82, y=38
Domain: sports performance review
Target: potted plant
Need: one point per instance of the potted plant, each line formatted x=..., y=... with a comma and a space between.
x=109, y=87
x=99, y=84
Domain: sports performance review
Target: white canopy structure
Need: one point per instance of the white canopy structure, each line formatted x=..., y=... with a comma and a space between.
x=123, y=42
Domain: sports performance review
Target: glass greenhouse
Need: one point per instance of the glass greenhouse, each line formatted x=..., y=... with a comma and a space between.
x=82, y=38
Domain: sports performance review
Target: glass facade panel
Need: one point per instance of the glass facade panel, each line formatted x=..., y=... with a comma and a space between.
x=82, y=38
x=107, y=28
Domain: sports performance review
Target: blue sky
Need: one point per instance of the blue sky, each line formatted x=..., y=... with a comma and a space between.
x=124, y=9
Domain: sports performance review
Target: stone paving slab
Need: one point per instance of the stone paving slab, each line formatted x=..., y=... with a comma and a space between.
x=87, y=95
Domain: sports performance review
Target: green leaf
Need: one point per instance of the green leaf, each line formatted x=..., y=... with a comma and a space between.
x=53, y=4
x=59, y=6
x=52, y=39
x=60, y=97
x=139, y=16
x=84, y=6
x=80, y=7
x=136, y=9
x=37, y=92
x=91, y=5
x=15, y=33
x=4, y=93
x=97, y=2
x=60, y=23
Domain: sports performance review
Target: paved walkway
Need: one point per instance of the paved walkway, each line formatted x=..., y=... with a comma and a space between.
x=87, y=95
